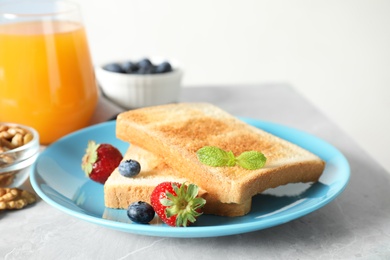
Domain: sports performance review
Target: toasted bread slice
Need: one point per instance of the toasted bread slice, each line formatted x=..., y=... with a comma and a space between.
x=176, y=131
x=120, y=192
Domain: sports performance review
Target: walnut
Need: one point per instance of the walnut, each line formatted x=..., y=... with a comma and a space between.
x=7, y=178
x=14, y=198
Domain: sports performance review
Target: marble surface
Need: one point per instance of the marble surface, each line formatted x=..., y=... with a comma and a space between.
x=356, y=225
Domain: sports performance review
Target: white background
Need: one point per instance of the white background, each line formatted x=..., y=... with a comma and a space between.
x=335, y=52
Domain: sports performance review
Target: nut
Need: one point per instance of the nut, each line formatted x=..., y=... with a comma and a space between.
x=7, y=178
x=12, y=137
x=5, y=158
x=14, y=198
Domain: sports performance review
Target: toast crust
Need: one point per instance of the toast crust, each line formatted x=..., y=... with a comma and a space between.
x=176, y=131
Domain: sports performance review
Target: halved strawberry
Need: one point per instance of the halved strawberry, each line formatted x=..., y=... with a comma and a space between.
x=177, y=204
x=100, y=160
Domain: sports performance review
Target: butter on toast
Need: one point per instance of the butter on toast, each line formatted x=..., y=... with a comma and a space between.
x=120, y=191
x=176, y=131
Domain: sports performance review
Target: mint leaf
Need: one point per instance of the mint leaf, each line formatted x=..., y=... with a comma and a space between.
x=251, y=160
x=216, y=157
x=232, y=159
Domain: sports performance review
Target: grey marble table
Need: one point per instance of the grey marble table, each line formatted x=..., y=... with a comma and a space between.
x=356, y=225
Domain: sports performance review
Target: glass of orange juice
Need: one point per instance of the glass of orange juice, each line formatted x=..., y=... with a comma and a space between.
x=47, y=78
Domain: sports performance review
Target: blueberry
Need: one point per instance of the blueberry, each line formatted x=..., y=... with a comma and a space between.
x=145, y=63
x=164, y=67
x=146, y=70
x=129, y=168
x=129, y=67
x=114, y=67
x=140, y=212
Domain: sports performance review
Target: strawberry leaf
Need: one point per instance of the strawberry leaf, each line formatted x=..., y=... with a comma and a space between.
x=90, y=157
x=184, y=205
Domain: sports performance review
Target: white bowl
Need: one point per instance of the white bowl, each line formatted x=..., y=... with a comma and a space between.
x=136, y=90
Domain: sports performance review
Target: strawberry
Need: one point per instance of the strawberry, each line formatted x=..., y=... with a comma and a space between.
x=177, y=204
x=100, y=160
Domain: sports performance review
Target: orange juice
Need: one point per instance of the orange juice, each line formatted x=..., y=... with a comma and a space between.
x=47, y=79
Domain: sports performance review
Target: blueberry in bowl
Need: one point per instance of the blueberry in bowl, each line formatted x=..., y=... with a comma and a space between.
x=143, y=66
x=114, y=67
x=134, y=83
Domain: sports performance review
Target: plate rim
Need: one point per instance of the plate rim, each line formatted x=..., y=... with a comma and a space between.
x=198, y=231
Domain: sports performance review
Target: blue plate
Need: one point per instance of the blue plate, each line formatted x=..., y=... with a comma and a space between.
x=58, y=179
